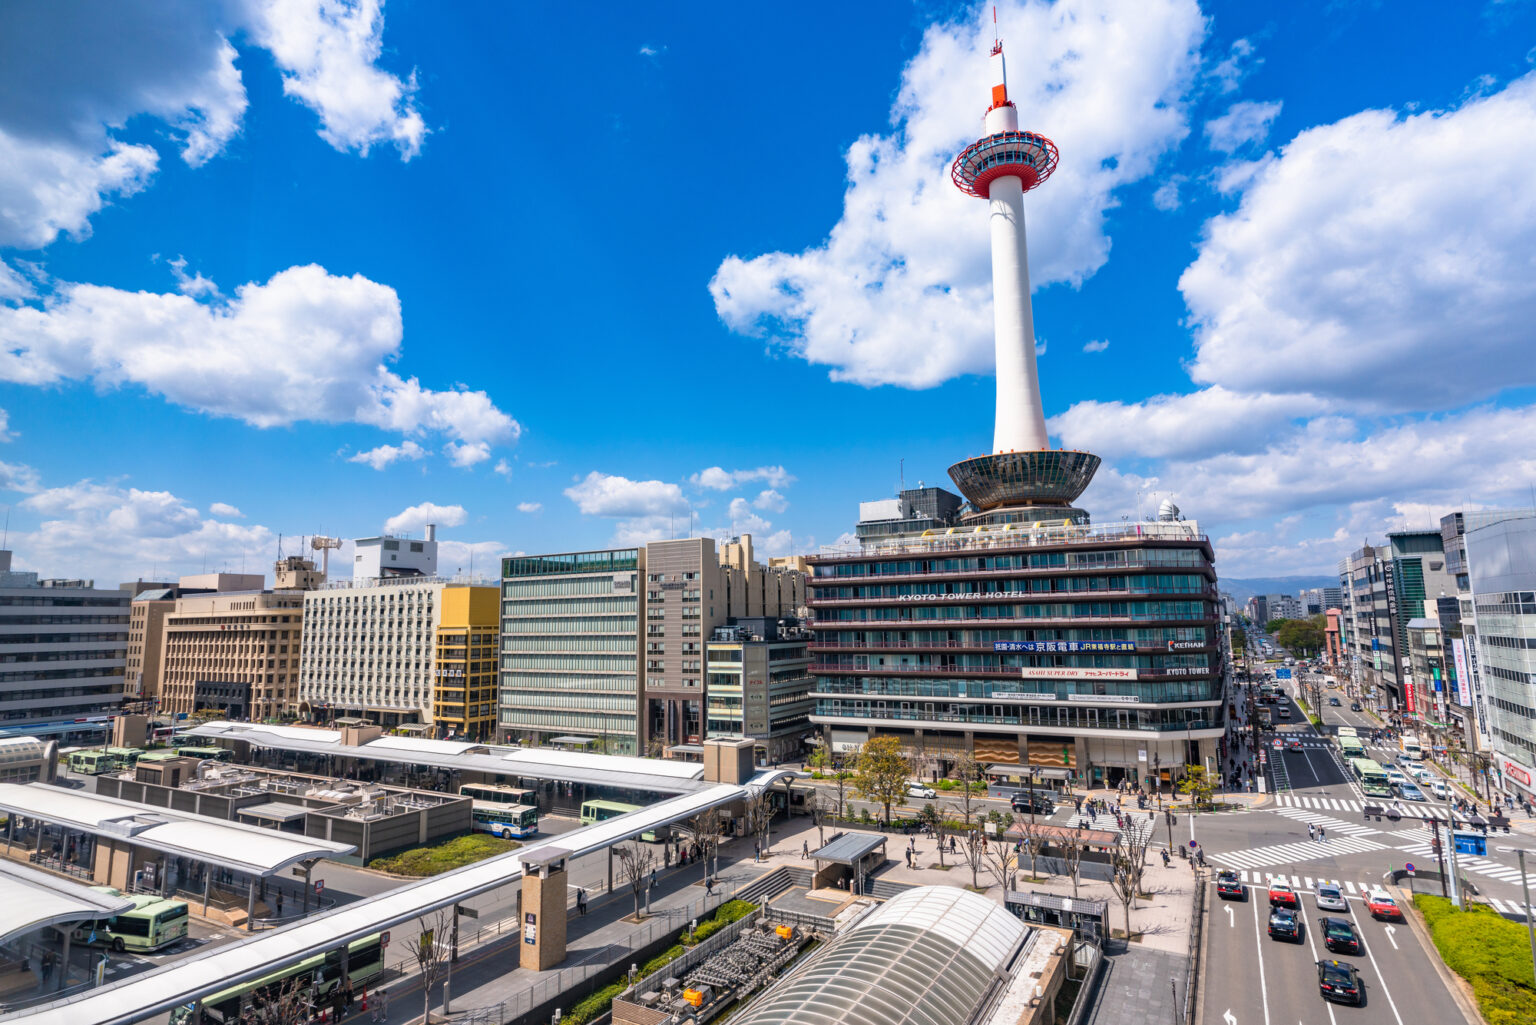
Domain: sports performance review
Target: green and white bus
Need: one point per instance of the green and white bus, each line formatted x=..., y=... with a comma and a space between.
x=597, y=811
x=310, y=981
x=127, y=757
x=1372, y=777
x=217, y=754
x=153, y=923
x=93, y=762
x=1351, y=748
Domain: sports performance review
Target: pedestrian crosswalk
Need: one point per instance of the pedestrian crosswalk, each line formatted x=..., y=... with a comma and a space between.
x=1467, y=862
x=1327, y=822
x=1507, y=908
x=1300, y=850
x=1406, y=809
x=1137, y=824
x=1304, y=884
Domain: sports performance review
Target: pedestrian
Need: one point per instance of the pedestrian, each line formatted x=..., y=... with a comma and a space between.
x=757, y=851
x=581, y=901
x=279, y=903
x=1322, y=834
x=709, y=886
x=805, y=849
x=1311, y=831
x=653, y=878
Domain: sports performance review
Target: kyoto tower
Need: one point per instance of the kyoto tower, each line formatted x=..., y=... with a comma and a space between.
x=1023, y=479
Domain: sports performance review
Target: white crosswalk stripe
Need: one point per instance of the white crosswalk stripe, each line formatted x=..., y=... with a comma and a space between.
x=1328, y=822
x=1406, y=809
x=1302, y=850
x=1301, y=884
x=1137, y=822
x=1469, y=862
x=1507, y=908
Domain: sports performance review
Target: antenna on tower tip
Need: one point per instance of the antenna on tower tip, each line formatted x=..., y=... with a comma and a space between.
x=997, y=40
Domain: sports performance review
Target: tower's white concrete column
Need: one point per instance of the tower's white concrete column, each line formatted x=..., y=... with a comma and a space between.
x=1020, y=423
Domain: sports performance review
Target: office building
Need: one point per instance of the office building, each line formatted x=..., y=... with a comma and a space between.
x=392, y=556
x=1002, y=624
x=759, y=686
x=371, y=646
x=63, y=648
x=464, y=700
x=231, y=656
x=1500, y=566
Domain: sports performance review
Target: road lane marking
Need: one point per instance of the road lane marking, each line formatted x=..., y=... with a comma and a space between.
x=1228, y=1017
x=1383, y=980
x=1312, y=945
x=1390, y=930
x=1259, y=945
x=1231, y=917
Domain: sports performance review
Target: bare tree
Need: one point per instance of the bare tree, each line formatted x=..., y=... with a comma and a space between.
x=704, y=830
x=1003, y=861
x=967, y=772
x=429, y=952
x=758, y=811
x=819, y=811
x=973, y=846
x=1128, y=862
x=635, y=864
x=290, y=1002
x=1033, y=837
x=1071, y=845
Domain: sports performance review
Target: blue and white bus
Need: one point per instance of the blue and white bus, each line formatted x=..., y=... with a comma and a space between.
x=503, y=811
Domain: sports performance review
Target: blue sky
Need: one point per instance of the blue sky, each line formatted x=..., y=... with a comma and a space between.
x=556, y=278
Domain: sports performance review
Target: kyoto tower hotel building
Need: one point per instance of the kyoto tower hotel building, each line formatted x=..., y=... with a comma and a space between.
x=1005, y=625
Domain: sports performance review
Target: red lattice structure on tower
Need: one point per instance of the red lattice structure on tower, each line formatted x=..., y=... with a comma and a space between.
x=1024, y=155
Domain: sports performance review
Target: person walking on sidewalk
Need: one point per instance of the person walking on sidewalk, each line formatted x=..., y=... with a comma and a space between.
x=805, y=849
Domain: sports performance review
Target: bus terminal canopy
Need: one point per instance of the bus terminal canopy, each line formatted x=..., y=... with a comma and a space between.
x=34, y=899
x=251, y=850
x=657, y=775
x=230, y=964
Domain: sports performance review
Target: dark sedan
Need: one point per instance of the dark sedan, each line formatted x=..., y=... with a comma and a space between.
x=1340, y=981
x=1284, y=924
x=1339, y=935
x=1229, y=887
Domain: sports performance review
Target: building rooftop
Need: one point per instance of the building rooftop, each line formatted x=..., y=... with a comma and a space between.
x=240, y=848
x=850, y=847
x=1013, y=535
x=929, y=956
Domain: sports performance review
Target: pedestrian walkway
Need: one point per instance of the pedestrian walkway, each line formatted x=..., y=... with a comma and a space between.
x=1307, y=884
x=1406, y=809
x=1507, y=908
x=1328, y=822
x=1469, y=862
x=1300, y=850
x=1137, y=825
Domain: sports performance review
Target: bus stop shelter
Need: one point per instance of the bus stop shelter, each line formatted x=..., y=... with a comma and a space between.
x=34, y=901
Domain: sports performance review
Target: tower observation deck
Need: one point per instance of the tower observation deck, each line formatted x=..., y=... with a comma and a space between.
x=1023, y=478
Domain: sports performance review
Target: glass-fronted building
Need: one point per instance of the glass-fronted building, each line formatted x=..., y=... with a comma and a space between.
x=570, y=648
x=1092, y=653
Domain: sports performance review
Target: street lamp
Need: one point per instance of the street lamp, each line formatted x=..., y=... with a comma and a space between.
x=1525, y=887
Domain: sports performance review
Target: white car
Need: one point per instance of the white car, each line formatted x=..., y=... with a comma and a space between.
x=1441, y=789
x=1396, y=778
x=1422, y=775
x=1330, y=898
x=927, y=793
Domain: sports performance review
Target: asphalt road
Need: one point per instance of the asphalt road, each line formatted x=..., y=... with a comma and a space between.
x=1251, y=979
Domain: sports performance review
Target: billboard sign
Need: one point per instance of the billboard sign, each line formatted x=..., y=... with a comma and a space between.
x=1463, y=680
x=1063, y=647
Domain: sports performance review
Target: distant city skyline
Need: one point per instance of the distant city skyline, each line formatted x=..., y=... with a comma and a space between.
x=557, y=283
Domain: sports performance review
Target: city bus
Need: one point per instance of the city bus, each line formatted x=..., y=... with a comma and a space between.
x=1351, y=748
x=217, y=754
x=127, y=757
x=1348, y=731
x=1410, y=745
x=310, y=980
x=508, y=821
x=1372, y=778
x=93, y=762
x=498, y=793
x=153, y=922
x=597, y=811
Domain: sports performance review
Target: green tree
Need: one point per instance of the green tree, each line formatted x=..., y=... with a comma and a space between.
x=1198, y=784
x=880, y=773
x=1302, y=636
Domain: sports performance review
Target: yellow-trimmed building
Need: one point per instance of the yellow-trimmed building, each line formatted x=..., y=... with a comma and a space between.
x=464, y=688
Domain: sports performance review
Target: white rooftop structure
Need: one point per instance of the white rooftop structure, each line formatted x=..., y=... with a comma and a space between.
x=220, y=967
x=666, y=776
x=929, y=956
x=33, y=899
x=240, y=848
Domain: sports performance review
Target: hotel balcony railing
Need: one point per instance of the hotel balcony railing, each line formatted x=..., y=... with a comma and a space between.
x=1141, y=649
x=1010, y=672
x=1000, y=540
x=830, y=580
x=1032, y=597
x=823, y=716
x=1006, y=621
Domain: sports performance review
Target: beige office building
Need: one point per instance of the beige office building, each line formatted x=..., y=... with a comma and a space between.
x=232, y=655
x=691, y=587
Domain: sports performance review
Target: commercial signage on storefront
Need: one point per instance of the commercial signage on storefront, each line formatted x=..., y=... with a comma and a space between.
x=1479, y=703
x=1119, y=699
x=1186, y=645
x=1063, y=646
x=1517, y=773
x=1024, y=695
x=1077, y=673
x=1409, y=697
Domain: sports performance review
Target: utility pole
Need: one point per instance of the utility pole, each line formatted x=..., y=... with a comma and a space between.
x=1434, y=826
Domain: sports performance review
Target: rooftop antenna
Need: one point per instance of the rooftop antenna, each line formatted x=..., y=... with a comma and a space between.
x=903, y=474
x=7, y=539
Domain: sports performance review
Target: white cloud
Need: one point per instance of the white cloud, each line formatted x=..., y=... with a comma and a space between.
x=601, y=494
x=416, y=518
x=306, y=345
x=529, y=507
x=771, y=501
x=383, y=455
x=503, y=467
x=226, y=510
x=109, y=533
x=744, y=520
x=14, y=287
x=1204, y=422
x=195, y=285
x=1166, y=197
x=1096, y=346
x=19, y=477
x=328, y=50
x=900, y=290
x=5, y=427
x=467, y=454
x=1244, y=123
x=480, y=560
x=1229, y=72
x=71, y=76
x=716, y=478
x=1382, y=260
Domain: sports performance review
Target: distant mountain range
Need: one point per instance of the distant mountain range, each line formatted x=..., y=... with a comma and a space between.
x=1243, y=588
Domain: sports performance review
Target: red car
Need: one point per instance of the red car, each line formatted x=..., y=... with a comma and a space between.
x=1381, y=905
x=1281, y=895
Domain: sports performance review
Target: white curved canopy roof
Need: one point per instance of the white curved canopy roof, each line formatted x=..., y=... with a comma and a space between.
x=34, y=899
